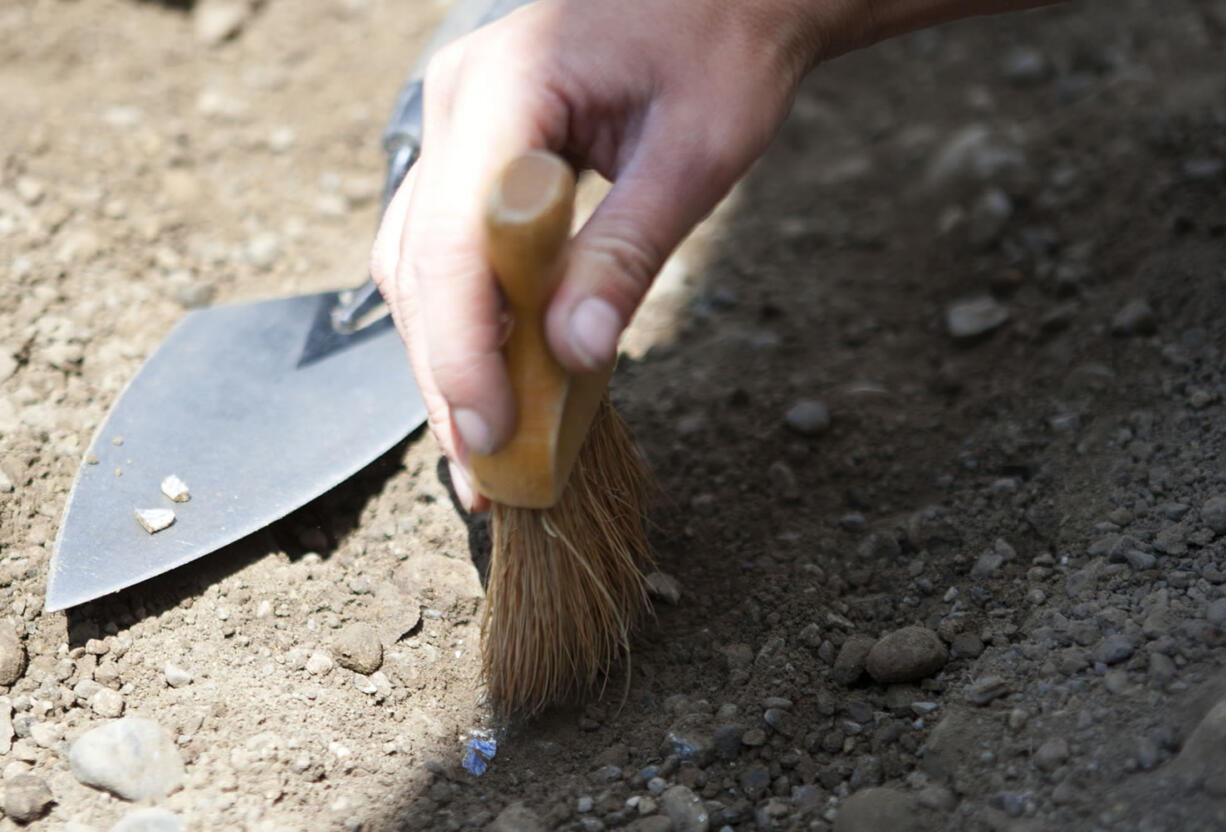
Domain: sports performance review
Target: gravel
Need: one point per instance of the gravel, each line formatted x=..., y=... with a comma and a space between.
x=134, y=758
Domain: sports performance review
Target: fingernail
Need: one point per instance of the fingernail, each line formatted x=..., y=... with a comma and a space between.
x=592, y=334
x=473, y=430
x=461, y=486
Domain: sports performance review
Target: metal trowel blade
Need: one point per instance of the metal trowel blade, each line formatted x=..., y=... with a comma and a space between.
x=229, y=405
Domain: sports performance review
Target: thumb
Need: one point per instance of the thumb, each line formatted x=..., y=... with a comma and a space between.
x=612, y=261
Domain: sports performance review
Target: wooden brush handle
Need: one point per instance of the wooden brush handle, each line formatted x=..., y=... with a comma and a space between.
x=527, y=224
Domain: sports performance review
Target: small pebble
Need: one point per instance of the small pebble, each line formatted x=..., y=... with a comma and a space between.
x=176, y=676
x=108, y=703
x=1024, y=65
x=1213, y=513
x=46, y=734
x=155, y=520
x=134, y=758
x=754, y=738
x=852, y=522
x=1135, y=318
x=970, y=319
x=665, y=587
x=357, y=648
x=26, y=798
x=1114, y=649
x=1052, y=754
x=966, y=646
x=809, y=417
x=849, y=665
x=263, y=251
x=1215, y=613
x=12, y=654
x=216, y=21
x=986, y=688
x=319, y=664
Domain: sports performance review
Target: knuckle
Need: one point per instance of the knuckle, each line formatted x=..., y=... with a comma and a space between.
x=629, y=264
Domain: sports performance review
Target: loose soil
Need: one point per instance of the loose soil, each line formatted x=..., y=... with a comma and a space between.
x=1045, y=496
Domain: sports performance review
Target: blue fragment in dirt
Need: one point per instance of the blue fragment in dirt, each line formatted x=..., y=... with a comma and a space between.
x=473, y=763
x=480, y=750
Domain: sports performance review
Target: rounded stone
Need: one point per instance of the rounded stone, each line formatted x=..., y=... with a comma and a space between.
x=26, y=798
x=906, y=655
x=357, y=648
x=134, y=758
x=12, y=655
x=809, y=417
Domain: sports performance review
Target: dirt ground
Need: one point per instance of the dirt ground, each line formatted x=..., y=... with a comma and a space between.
x=1033, y=482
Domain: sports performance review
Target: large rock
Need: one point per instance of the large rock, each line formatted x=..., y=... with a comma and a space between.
x=906, y=655
x=134, y=758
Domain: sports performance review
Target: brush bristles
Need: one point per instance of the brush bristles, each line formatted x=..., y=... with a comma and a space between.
x=565, y=585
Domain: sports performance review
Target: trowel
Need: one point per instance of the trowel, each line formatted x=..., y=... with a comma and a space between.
x=246, y=412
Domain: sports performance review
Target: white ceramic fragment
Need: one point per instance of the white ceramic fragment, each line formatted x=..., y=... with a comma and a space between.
x=175, y=489
x=155, y=519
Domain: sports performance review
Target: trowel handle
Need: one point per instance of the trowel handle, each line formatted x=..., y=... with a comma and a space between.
x=402, y=136
x=405, y=126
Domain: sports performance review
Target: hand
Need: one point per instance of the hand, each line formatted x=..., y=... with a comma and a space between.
x=671, y=101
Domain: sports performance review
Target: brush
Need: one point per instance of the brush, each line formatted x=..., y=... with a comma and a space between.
x=569, y=490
